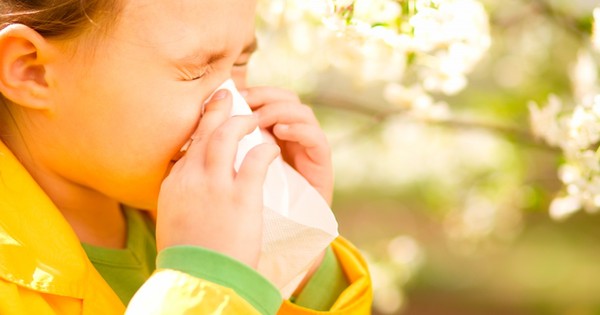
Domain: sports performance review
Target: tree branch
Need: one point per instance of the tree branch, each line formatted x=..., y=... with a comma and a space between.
x=566, y=21
x=511, y=133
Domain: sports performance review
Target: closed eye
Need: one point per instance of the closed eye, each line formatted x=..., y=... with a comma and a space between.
x=198, y=74
x=196, y=78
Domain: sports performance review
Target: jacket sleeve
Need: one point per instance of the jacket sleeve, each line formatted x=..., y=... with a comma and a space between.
x=15, y=299
x=221, y=285
x=356, y=298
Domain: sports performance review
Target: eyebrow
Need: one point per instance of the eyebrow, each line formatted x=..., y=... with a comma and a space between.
x=202, y=58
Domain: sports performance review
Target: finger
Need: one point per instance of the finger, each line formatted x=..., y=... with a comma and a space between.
x=259, y=96
x=216, y=111
x=285, y=113
x=310, y=137
x=253, y=171
x=223, y=144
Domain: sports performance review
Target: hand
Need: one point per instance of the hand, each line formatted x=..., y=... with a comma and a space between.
x=297, y=132
x=203, y=201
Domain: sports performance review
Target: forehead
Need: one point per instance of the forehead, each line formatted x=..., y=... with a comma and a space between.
x=176, y=27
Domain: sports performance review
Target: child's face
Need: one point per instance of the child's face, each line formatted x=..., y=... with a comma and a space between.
x=124, y=110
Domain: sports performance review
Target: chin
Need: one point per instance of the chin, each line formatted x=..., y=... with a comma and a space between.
x=141, y=189
x=146, y=199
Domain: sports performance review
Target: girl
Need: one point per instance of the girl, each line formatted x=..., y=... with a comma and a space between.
x=98, y=98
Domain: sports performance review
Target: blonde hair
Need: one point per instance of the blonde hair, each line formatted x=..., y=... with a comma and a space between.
x=59, y=18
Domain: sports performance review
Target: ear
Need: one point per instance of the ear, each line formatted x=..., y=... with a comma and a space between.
x=24, y=55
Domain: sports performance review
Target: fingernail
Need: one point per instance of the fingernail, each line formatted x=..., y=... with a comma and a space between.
x=220, y=94
x=186, y=146
x=276, y=149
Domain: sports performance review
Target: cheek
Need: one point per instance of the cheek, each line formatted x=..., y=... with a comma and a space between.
x=132, y=111
x=140, y=122
x=154, y=132
x=129, y=132
x=167, y=131
x=147, y=151
x=116, y=131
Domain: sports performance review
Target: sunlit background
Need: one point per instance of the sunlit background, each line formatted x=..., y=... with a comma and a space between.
x=464, y=135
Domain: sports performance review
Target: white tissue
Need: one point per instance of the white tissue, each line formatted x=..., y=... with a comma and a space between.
x=298, y=223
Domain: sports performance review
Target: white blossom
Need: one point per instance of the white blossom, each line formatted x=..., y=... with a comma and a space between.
x=407, y=97
x=577, y=134
x=417, y=102
x=584, y=76
x=436, y=42
x=546, y=122
x=441, y=40
x=563, y=207
x=377, y=11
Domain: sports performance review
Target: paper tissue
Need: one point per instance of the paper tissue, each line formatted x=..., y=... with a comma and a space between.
x=298, y=223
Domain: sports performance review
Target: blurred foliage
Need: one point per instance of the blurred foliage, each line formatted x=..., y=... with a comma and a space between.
x=452, y=213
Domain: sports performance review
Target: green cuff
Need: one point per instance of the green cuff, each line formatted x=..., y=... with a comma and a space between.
x=223, y=270
x=325, y=285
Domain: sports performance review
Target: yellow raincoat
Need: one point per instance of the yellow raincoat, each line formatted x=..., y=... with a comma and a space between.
x=44, y=269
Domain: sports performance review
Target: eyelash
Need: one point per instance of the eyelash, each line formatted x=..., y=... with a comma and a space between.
x=208, y=70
